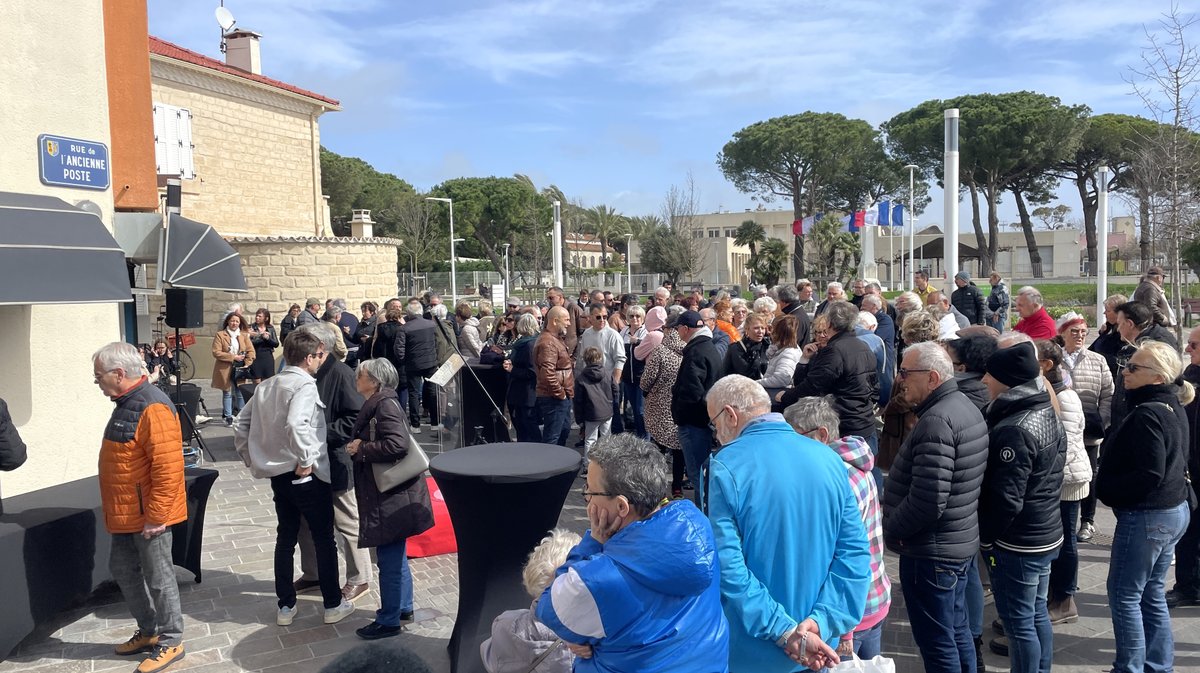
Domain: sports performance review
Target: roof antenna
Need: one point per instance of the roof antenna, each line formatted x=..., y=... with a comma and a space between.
x=226, y=21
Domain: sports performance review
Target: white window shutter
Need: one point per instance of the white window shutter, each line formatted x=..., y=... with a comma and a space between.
x=173, y=151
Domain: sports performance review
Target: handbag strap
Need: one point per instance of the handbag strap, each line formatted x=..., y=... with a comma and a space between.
x=542, y=657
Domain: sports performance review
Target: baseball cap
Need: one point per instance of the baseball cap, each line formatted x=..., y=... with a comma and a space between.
x=691, y=319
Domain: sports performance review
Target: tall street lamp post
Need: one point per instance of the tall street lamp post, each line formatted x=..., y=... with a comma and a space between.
x=506, y=281
x=629, y=261
x=912, y=220
x=453, y=264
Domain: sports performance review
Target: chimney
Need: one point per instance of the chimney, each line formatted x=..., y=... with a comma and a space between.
x=361, y=225
x=242, y=51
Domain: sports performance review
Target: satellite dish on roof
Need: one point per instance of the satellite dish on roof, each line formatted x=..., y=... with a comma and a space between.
x=225, y=19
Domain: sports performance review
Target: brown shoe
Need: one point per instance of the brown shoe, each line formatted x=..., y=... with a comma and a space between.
x=352, y=591
x=302, y=585
x=1064, y=611
x=137, y=644
x=160, y=658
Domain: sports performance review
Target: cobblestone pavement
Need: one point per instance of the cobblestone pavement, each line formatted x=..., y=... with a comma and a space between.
x=229, y=617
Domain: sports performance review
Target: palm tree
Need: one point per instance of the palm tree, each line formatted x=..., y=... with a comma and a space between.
x=770, y=262
x=750, y=233
x=606, y=223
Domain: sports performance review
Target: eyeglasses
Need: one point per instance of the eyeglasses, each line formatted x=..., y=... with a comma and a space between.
x=587, y=495
x=97, y=377
x=318, y=354
x=1193, y=344
x=1133, y=367
x=905, y=372
x=712, y=425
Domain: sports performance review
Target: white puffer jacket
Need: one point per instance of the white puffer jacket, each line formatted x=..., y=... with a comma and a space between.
x=1077, y=472
x=781, y=367
x=1092, y=380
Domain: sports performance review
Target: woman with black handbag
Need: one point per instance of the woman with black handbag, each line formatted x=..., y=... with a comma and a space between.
x=388, y=513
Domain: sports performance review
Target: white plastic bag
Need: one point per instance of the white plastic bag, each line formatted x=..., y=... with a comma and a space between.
x=877, y=664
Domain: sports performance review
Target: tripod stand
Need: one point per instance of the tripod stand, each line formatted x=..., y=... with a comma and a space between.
x=187, y=424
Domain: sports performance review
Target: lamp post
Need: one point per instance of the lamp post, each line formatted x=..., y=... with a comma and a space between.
x=506, y=270
x=629, y=262
x=453, y=265
x=1101, y=240
x=912, y=223
x=950, y=195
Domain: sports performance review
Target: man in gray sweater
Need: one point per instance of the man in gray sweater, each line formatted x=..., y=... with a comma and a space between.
x=280, y=435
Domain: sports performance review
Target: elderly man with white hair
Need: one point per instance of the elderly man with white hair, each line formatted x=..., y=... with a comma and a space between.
x=793, y=550
x=833, y=292
x=864, y=330
x=662, y=297
x=1035, y=321
x=930, y=507
x=885, y=326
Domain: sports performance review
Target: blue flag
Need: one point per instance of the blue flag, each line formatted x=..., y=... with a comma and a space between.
x=885, y=213
x=898, y=215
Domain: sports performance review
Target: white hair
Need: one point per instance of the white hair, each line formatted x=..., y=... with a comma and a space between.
x=867, y=320
x=120, y=355
x=835, y=286
x=662, y=293
x=547, y=557
x=737, y=302
x=932, y=356
x=765, y=305
x=908, y=301
x=414, y=309
x=872, y=300
x=741, y=393
x=330, y=335
x=438, y=311
x=381, y=372
x=1032, y=294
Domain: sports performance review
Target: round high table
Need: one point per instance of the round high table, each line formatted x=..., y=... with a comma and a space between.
x=502, y=499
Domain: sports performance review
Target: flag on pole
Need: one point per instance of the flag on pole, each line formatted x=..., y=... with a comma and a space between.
x=885, y=214
x=898, y=215
x=797, y=227
x=854, y=221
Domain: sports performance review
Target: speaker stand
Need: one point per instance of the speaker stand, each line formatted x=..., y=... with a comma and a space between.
x=187, y=424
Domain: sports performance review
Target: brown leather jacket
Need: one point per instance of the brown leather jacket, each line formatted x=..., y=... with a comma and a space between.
x=555, y=371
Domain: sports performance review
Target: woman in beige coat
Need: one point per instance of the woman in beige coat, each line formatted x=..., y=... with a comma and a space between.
x=231, y=349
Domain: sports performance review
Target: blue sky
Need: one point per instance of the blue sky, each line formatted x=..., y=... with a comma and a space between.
x=614, y=101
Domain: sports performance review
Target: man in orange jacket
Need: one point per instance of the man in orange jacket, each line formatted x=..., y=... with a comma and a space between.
x=142, y=492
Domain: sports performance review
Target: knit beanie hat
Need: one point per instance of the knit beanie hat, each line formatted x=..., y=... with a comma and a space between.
x=1014, y=365
x=963, y=276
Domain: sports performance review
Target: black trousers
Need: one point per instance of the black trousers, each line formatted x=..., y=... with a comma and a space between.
x=1187, y=560
x=416, y=395
x=312, y=500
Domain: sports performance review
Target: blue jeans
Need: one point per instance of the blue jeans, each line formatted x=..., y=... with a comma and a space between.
x=867, y=643
x=1064, y=570
x=1020, y=583
x=231, y=400
x=975, y=599
x=1143, y=545
x=636, y=399
x=395, y=584
x=556, y=419
x=935, y=595
x=697, y=447
x=997, y=323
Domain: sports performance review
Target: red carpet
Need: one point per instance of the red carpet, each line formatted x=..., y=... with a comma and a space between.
x=440, y=538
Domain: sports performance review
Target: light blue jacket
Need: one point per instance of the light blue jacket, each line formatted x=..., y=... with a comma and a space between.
x=790, y=540
x=647, y=601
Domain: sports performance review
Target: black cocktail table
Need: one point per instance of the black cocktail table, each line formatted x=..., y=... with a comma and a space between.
x=503, y=499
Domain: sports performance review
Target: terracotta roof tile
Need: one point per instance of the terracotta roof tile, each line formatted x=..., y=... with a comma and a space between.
x=163, y=48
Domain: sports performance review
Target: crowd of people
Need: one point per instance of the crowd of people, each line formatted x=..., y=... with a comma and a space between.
x=810, y=435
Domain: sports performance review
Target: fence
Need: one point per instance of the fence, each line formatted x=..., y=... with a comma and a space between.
x=525, y=284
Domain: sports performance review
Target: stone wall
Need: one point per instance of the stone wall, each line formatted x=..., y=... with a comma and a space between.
x=255, y=151
x=280, y=272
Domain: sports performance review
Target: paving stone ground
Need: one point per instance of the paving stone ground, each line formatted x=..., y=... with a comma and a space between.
x=229, y=618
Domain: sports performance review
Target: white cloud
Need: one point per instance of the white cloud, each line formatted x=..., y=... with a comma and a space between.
x=1077, y=20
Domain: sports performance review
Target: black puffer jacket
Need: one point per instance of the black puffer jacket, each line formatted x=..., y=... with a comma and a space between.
x=803, y=326
x=404, y=511
x=846, y=369
x=1019, y=506
x=522, y=380
x=1192, y=376
x=1109, y=344
x=339, y=394
x=698, y=373
x=1142, y=462
x=416, y=345
x=929, y=507
x=747, y=358
x=969, y=302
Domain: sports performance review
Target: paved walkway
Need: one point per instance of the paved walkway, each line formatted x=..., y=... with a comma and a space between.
x=229, y=617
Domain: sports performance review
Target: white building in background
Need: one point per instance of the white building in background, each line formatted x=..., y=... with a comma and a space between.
x=726, y=264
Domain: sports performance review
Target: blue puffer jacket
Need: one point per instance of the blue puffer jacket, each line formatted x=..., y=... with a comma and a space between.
x=647, y=601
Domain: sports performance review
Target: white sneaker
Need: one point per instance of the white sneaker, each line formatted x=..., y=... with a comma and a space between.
x=335, y=615
x=286, y=615
x=201, y=419
x=416, y=429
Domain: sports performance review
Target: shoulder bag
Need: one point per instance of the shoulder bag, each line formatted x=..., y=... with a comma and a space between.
x=412, y=465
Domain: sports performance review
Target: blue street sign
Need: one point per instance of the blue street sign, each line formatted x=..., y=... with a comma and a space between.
x=70, y=162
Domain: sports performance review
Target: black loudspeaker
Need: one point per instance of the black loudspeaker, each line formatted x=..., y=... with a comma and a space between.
x=185, y=308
